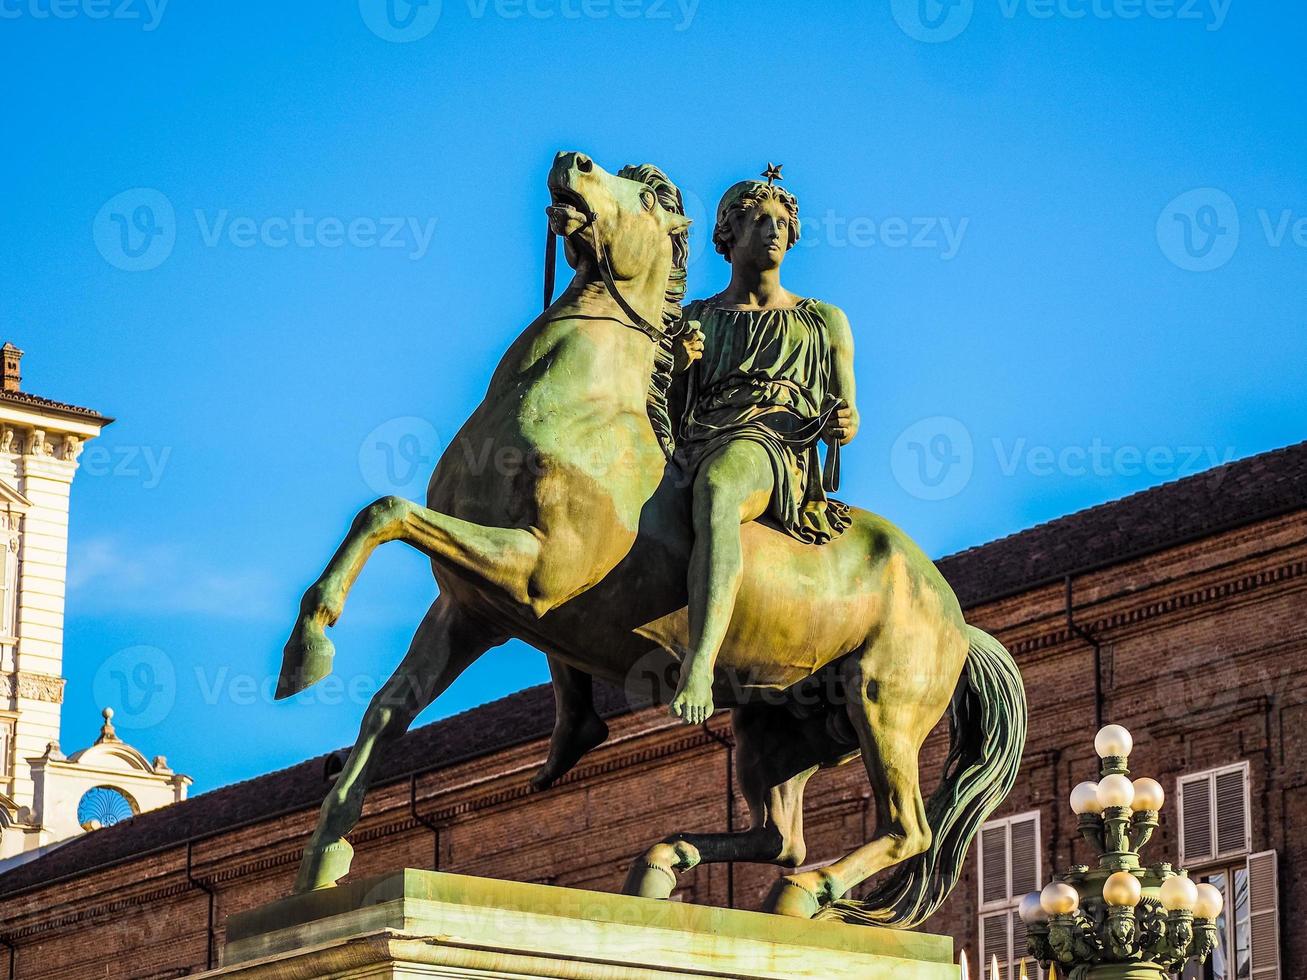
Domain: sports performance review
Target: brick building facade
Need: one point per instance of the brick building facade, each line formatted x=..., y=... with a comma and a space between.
x=1177, y=612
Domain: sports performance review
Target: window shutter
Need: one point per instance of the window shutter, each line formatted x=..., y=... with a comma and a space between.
x=1264, y=915
x=995, y=935
x=1025, y=858
x=1196, y=820
x=1232, y=811
x=1020, y=951
x=993, y=864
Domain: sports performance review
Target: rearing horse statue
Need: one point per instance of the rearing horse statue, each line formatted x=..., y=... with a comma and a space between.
x=854, y=647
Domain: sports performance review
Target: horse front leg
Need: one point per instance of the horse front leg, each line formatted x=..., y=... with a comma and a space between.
x=444, y=645
x=504, y=558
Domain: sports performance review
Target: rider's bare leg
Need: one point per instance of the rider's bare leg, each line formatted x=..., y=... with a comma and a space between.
x=732, y=487
x=577, y=726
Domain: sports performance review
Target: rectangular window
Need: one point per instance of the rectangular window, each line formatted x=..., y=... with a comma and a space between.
x=1248, y=931
x=9, y=593
x=1010, y=866
x=1215, y=817
x=7, y=728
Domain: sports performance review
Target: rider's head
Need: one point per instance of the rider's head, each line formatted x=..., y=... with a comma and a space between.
x=758, y=220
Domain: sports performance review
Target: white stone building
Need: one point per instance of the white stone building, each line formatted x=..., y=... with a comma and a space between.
x=42, y=791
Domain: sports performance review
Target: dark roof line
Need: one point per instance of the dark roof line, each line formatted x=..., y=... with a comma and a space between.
x=1227, y=497
x=28, y=400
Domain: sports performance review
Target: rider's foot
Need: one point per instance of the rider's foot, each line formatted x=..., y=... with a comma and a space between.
x=693, y=703
x=571, y=741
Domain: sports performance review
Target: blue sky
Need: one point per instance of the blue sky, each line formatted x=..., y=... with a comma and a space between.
x=285, y=245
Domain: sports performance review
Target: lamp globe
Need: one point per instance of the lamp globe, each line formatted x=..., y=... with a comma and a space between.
x=1179, y=894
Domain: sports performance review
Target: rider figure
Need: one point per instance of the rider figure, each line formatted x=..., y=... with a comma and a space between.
x=769, y=375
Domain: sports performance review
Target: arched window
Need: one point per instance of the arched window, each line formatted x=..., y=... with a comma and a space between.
x=104, y=806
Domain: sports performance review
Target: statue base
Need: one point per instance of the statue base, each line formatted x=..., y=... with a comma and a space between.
x=426, y=924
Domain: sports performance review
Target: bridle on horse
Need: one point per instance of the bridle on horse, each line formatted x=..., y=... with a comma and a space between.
x=605, y=264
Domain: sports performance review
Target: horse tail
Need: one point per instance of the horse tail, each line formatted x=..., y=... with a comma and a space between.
x=987, y=735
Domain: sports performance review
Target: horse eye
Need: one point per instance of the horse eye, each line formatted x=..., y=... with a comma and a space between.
x=648, y=199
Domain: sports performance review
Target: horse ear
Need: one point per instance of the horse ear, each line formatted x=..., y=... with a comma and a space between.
x=678, y=224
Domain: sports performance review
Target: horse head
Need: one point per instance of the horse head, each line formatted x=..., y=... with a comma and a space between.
x=629, y=226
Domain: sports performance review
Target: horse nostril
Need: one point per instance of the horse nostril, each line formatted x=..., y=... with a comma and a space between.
x=584, y=163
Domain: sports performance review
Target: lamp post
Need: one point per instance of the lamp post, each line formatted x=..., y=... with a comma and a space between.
x=1120, y=920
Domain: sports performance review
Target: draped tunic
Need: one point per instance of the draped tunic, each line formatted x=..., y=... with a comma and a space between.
x=765, y=376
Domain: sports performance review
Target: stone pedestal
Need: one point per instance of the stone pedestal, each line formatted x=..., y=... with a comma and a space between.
x=426, y=924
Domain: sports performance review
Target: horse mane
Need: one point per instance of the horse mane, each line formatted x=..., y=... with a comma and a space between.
x=669, y=196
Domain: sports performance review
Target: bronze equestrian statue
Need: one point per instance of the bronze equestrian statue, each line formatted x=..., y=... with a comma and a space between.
x=856, y=646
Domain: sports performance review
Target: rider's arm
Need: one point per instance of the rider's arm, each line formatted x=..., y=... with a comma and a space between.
x=844, y=423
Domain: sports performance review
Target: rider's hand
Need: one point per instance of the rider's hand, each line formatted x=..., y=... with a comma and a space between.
x=689, y=346
x=842, y=425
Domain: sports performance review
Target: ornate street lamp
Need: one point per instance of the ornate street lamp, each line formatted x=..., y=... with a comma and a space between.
x=1121, y=920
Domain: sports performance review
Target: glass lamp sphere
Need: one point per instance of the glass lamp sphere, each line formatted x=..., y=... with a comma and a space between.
x=1116, y=790
x=1209, y=903
x=1113, y=741
x=1149, y=794
x=1059, y=898
x=1122, y=889
x=1179, y=894
x=1031, y=911
x=1084, y=799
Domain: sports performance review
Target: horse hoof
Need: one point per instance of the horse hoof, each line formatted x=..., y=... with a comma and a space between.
x=789, y=897
x=306, y=658
x=322, y=867
x=570, y=744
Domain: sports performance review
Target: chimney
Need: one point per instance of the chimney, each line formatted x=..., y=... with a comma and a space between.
x=13, y=367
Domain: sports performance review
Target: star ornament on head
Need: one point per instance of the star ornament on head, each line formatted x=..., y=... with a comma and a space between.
x=773, y=172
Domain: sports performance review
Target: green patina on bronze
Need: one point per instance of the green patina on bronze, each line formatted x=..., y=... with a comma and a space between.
x=855, y=647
